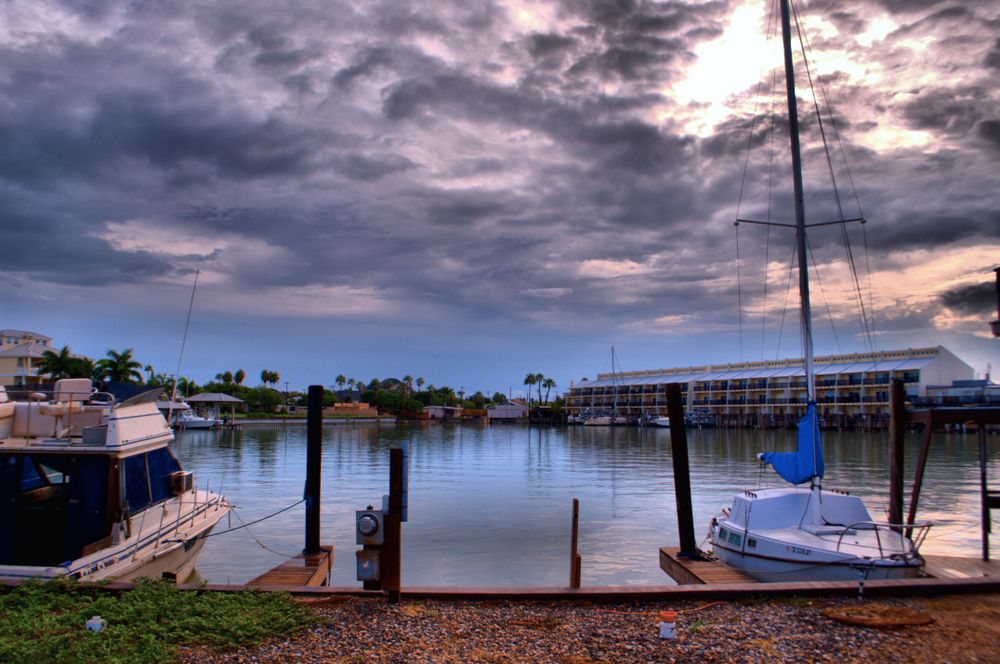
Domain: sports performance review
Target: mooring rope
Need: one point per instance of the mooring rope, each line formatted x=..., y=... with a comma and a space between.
x=256, y=521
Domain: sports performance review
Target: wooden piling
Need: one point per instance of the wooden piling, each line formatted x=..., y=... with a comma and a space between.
x=314, y=462
x=575, y=561
x=682, y=472
x=984, y=493
x=897, y=434
x=391, y=559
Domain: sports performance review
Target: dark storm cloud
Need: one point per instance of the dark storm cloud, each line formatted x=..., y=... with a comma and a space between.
x=905, y=6
x=993, y=57
x=971, y=299
x=72, y=256
x=545, y=45
x=989, y=130
x=366, y=62
x=948, y=109
x=434, y=152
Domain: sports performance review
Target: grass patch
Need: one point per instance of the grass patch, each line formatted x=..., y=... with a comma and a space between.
x=44, y=622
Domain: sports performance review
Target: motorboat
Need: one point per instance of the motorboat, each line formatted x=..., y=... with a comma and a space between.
x=186, y=419
x=605, y=421
x=91, y=490
x=661, y=422
x=801, y=533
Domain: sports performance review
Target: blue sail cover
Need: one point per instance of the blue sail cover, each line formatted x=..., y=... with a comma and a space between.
x=807, y=462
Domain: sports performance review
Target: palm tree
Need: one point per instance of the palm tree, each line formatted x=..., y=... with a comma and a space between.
x=420, y=383
x=548, y=383
x=239, y=376
x=341, y=380
x=185, y=385
x=530, y=380
x=408, y=381
x=149, y=373
x=57, y=365
x=269, y=377
x=539, y=379
x=120, y=367
x=82, y=367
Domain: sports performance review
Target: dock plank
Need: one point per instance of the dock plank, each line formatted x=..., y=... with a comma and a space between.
x=699, y=572
x=303, y=570
x=953, y=567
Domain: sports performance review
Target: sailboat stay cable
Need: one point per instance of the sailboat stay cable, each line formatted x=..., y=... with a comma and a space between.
x=784, y=308
x=770, y=198
x=739, y=291
x=826, y=300
x=180, y=357
x=806, y=49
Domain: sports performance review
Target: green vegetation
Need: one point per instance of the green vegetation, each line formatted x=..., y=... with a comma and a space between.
x=65, y=365
x=46, y=622
x=400, y=397
x=120, y=367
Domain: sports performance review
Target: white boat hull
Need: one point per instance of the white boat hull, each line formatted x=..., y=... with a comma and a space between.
x=806, y=535
x=777, y=569
x=157, y=548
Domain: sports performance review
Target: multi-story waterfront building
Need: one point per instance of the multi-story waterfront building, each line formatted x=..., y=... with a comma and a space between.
x=20, y=355
x=851, y=390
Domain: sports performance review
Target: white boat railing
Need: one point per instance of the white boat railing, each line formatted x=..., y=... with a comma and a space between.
x=896, y=530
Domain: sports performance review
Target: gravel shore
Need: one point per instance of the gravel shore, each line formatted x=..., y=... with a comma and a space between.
x=966, y=629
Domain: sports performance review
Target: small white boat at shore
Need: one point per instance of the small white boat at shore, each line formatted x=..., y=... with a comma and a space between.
x=186, y=419
x=92, y=491
x=661, y=422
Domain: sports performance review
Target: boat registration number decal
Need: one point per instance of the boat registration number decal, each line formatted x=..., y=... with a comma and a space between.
x=799, y=550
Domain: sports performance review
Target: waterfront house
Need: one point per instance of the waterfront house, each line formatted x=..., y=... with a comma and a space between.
x=21, y=354
x=443, y=412
x=507, y=412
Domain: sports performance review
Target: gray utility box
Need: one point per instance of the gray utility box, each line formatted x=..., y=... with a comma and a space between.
x=368, y=565
x=369, y=527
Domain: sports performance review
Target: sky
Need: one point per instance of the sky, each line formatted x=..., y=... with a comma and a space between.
x=469, y=192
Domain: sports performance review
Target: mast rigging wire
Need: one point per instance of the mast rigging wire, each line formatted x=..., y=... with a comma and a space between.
x=806, y=49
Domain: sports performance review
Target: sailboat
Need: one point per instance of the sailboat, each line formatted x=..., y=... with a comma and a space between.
x=807, y=533
x=613, y=418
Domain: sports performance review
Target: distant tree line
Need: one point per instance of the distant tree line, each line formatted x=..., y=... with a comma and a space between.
x=392, y=395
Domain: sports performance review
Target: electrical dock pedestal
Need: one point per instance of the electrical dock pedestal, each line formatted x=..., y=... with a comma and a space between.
x=314, y=566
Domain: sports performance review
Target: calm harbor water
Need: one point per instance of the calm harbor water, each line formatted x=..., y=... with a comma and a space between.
x=491, y=505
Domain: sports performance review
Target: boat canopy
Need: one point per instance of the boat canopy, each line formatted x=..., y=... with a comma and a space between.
x=805, y=463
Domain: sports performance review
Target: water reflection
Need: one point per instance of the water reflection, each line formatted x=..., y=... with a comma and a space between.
x=492, y=505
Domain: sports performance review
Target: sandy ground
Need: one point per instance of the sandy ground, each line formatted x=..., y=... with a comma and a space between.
x=965, y=629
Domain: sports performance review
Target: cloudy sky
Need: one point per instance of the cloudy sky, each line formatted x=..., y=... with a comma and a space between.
x=471, y=191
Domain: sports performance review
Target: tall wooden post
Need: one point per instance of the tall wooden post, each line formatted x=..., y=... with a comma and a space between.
x=897, y=433
x=314, y=462
x=575, y=562
x=984, y=495
x=391, y=552
x=682, y=473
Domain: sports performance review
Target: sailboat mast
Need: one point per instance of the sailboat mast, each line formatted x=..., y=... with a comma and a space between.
x=800, y=217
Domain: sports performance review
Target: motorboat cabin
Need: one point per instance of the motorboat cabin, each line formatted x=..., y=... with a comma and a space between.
x=90, y=489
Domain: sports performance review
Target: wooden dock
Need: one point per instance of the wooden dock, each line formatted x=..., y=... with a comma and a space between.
x=692, y=572
x=303, y=570
x=954, y=567
x=715, y=572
